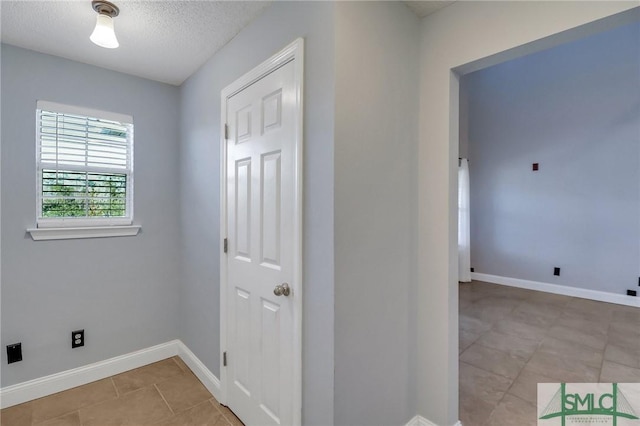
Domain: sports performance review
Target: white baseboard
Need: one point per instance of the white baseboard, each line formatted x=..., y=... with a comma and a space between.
x=208, y=379
x=600, y=296
x=37, y=388
x=421, y=421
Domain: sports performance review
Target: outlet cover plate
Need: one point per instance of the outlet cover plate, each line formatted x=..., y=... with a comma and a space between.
x=77, y=338
x=14, y=353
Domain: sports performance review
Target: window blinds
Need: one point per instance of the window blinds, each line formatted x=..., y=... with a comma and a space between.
x=85, y=164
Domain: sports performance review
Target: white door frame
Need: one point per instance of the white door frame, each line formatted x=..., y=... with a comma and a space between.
x=293, y=52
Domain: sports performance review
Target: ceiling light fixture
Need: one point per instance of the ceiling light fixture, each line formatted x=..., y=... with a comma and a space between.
x=103, y=34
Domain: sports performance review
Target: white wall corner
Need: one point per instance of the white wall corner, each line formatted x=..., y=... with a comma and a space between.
x=208, y=379
x=58, y=382
x=421, y=421
x=44, y=386
x=418, y=421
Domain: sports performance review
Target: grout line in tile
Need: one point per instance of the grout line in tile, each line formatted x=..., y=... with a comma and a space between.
x=163, y=398
x=72, y=411
x=227, y=418
x=621, y=365
x=505, y=352
x=604, y=351
x=58, y=417
x=217, y=406
x=521, y=399
x=472, y=343
x=491, y=372
x=495, y=407
x=173, y=358
x=520, y=372
x=115, y=387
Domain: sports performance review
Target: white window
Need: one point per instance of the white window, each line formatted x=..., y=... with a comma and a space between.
x=85, y=167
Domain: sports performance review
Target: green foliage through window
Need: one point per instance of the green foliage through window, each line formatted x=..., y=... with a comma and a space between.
x=83, y=194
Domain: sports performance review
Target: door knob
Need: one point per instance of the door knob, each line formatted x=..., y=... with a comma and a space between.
x=282, y=290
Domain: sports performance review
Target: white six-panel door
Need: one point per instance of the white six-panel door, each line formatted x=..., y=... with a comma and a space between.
x=261, y=215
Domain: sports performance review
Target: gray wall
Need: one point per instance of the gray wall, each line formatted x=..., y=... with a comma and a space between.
x=376, y=136
x=122, y=291
x=574, y=109
x=200, y=180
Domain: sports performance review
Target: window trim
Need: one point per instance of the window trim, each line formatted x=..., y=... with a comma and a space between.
x=43, y=234
x=74, y=224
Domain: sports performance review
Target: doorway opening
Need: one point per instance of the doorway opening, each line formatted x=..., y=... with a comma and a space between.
x=548, y=135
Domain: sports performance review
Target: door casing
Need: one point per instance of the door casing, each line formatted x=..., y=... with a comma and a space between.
x=292, y=52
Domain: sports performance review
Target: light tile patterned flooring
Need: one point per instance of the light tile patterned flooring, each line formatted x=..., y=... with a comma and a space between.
x=511, y=339
x=165, y=393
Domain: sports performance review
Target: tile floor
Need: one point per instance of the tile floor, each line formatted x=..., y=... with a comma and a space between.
x=165, y=393
x=511, y=339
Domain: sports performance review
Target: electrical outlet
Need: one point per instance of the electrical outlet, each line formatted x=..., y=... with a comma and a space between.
x=535, y=167
x=14, y=353
x=556, y=271
x=632, y=293
x=474, y=269
x=77, y=338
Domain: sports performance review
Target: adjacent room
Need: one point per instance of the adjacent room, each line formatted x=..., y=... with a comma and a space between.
x=245, y=212
x=551, y=145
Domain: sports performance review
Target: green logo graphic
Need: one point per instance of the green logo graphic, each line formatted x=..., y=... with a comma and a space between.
x=612, y=404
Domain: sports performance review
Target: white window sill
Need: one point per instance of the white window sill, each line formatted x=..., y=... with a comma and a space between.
x=41, y=234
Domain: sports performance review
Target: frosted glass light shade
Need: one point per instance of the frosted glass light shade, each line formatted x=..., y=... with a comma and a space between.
x=103, y=34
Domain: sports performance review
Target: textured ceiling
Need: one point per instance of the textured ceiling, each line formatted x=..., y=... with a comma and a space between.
x=424, y=8
x=160, y=40
x=163, y=40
